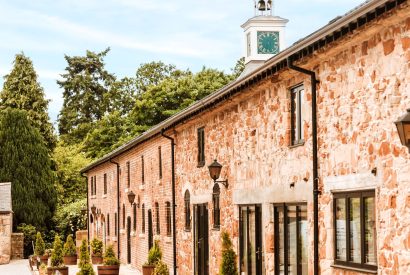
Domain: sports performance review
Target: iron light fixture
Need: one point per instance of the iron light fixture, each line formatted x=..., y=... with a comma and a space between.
x=93, y=209
x=403, y=128
x=131, y=197
x=215, y=171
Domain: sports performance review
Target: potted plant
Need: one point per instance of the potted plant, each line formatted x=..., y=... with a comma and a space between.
x=42, y=270
x=69, y=252
x=161, y=269
x=40, y=249
x=111, y=263
x=57, y=259
x=154, y=256
x=84, y=255
x=96, y=251
x=228, y=264
x=86, y=269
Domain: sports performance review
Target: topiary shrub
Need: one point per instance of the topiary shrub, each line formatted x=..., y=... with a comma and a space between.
x=96, y=247
x=154, y=254
x=69, y=247
x=29, y=232
x=84, y=255
x=109, y=257
x=40, y=248
x=228, y=264
x=86, y=269
x=57, y=254
x=161, y=269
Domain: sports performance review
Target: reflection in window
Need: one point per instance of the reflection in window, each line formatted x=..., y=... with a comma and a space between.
x=369, y=231
x=341, y=229
x=187, y=199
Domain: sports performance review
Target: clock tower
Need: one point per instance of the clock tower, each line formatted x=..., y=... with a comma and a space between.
x=264, y=35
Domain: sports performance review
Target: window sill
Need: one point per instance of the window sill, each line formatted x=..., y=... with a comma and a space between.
x=142, y=187
x=104, y=196
x=297, y=144
x=354, y=268
x=200, y=165
x=187, y=230
x=93, y=197
x=141, y=236
x=216, y=228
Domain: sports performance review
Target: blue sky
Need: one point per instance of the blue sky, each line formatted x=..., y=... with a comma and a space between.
x=189, y=34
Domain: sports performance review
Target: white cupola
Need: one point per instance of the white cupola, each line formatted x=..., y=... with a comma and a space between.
x=264, y=35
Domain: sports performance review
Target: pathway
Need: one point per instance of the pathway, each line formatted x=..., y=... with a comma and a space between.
x=15, y=267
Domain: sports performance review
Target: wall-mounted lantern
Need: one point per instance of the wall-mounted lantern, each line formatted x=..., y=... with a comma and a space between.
x=131, y=197
x=215, y=171
x=403, y=128
x=93, y=209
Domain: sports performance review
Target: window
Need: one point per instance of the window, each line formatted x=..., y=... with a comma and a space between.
x=142, y=170
x=115, y=223
x=123, y=216
x=168, y=217
x=108, y=224
x=157, y=218
x=135, y=217
x=291, y=239
x=187, y=199
x=296, y=118
x=355, y=229
x=95, y=185
x=143, y=218
x=105, y=184
x=92, y=186
x=215, y=201
x=159, y=162
x=248, y=44
x=128, y=174
x=201, y=147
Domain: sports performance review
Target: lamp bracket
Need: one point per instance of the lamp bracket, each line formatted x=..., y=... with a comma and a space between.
x=224, y=182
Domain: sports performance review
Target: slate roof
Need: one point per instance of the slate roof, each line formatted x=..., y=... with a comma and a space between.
x=5, y=197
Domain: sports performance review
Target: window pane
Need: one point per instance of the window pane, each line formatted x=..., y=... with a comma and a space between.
x=300, y=117
x=369, y=231
x=244, y=240
x=341, y=229
x=354, y=204
x=281, y=239
x=292, y=240
x=303, y=240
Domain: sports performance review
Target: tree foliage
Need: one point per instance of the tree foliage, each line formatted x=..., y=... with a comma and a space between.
x=21, y=90
x=68, y=218
x=25, y=162
x=29, y=232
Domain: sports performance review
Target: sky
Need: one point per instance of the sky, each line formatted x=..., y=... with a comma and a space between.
x=188, y=34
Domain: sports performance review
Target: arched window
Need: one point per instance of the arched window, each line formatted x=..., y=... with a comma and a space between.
x=115, y=223
x=108, y=224
x=91, y=218
x=143, y=218
x=187, y=200
x=215, y=201
x=135, y=217
x=168, y=217
x=157, y=218
x=123, y=216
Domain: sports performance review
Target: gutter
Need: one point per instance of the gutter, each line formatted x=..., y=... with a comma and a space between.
x=314, y=83
x=88, y=213
x=118, y=207
x=174, y=233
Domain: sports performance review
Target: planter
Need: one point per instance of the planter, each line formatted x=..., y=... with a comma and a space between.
x=148, y=269
x=44, y=259
x=63, y=270
x=96, y=259
x=108, y=269
x=70, y=260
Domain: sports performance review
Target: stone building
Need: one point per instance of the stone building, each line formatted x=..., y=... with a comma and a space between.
x=316, y=175
x=6, y=222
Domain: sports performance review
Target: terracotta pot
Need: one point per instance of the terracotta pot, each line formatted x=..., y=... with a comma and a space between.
x=70, y=260
x=96, y=259
x=108, y=269
x=44, y=259
x=63, y=270
x=148, y=269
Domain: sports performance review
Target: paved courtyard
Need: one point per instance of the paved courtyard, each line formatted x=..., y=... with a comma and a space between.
x=15, y=267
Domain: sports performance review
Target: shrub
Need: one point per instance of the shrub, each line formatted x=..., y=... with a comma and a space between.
x=109, y=257
x=86, y=269
x=84, y=255
x=57, y=254
x=69, y=247
x=29, y=232
x=96, y=247
x=161, y=269
x=154, y=254
x=40, y=246
x=228, y=264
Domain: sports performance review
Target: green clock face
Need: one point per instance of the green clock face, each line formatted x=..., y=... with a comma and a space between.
x=268, y=42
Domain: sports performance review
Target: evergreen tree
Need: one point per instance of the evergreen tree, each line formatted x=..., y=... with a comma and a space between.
x=25, y=162
x=87, y=87
x=228, y=264
x=21, y=90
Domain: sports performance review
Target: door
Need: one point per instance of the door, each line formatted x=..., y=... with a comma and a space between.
x=129, y=240
x=250, y=230
x=201, y=245
x=150, y=232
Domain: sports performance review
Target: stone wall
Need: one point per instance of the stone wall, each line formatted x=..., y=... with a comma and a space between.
x=80, y=235
x=5, y=237
x=17, y=246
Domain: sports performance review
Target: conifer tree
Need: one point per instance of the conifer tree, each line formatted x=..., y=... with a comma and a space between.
x=25, y=162
x=21, y=90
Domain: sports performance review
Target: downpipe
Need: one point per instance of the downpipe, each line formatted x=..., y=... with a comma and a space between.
x=88, y=213
x=174, y=238
x=118, y=206
x=314, y=83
